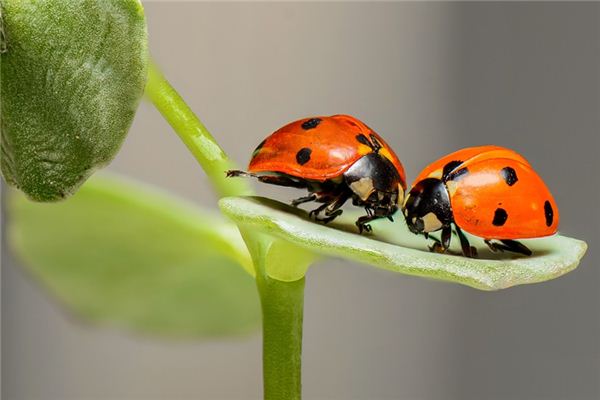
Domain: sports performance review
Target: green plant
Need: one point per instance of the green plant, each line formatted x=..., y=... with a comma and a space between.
x=199, y=278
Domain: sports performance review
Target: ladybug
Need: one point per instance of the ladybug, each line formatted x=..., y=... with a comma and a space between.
x=489, y=191
x=335, y=158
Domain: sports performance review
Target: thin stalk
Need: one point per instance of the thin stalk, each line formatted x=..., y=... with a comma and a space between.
x=282, y=309
x=194, y=134
x=282, y=302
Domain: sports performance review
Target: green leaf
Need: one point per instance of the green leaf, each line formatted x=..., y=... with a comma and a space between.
x=72, y=76
x=125, y=255
x=394, y=248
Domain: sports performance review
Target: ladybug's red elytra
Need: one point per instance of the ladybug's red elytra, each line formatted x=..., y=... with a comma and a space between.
x=336, y=158
x=489, y=191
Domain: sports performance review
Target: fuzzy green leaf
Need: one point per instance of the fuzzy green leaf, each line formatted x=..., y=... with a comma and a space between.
x=393, y=247
x=72, y=75
x=124, y=255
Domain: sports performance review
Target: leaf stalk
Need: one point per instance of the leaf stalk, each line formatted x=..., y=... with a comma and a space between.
x=282, y=302
x=282, y=313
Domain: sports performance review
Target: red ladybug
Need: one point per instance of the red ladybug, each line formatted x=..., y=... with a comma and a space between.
x=336, y=158
x=489, y=191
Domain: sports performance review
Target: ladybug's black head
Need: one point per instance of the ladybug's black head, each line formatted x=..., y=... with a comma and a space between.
x=427, y=207
x=376, y=185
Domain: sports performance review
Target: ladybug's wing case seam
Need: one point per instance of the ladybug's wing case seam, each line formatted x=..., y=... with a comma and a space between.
x=458, y=159
x=434, y=170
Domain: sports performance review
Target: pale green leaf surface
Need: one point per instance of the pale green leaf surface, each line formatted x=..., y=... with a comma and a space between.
x=393, y=247
x=72, y=76
x=128, y=256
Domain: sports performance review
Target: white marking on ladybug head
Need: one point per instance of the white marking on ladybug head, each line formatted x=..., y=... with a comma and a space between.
x=363, y=188
x=400, y=199
x=431, y=223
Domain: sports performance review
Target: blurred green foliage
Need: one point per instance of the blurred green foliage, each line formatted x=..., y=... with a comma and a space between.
x=124, y=255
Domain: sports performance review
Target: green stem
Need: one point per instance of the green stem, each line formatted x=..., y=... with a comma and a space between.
x=282, y=302
x=282, y=309
x=194, y=134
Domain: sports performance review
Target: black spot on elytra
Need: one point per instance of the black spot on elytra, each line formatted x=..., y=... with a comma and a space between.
x=509, y=175
x=549, y=213
x=311, y=123
x=260, y=146
x=363, y=139
x=500, y=217
x=451, y=166
x=303, y=156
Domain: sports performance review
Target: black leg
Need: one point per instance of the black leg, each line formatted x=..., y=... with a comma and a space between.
x=305, y=199
x=331, y=216
x=441, y=246
x=363, y=225
x=508, y=245
x=493, y=246
x=362, y=222
x=516, y=247
x=467, y=249
x=436, y=240
x=315, y=213
x=436, y=247
x=331, y=208
x=446, y=236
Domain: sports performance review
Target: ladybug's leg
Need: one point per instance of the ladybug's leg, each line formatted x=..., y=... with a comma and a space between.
x=315, y=213
x=427, y=236
x=363, y=221
x=363, y=225
x=441, y=246
x=446, y=236
x=372, y=214
x=516, y=247
x=305, y=199
x=508, y=245
x=331, y=208
x=467, y=249
x=493, y=246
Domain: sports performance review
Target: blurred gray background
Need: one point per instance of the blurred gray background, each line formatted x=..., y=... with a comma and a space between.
x=429, y=77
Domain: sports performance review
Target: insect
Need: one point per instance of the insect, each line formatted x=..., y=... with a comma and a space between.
x=489, y=191
x=336, y=158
